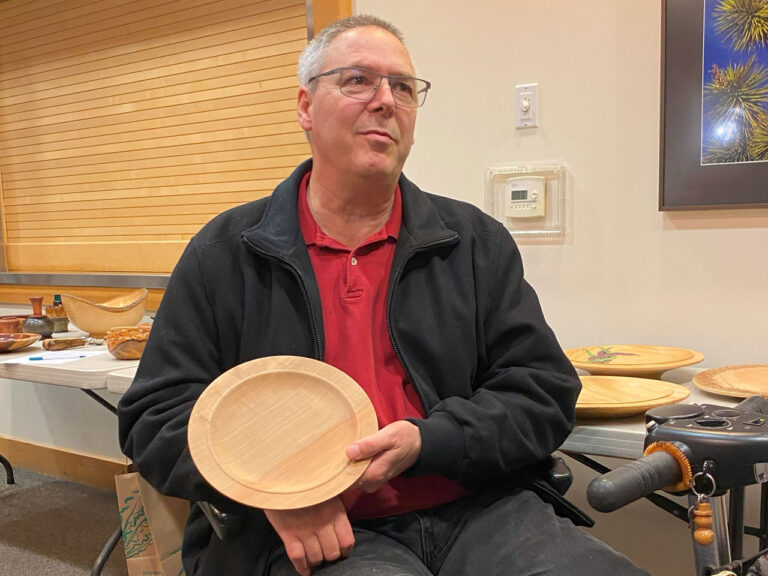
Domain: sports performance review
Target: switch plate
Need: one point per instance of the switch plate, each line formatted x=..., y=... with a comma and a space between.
x=526, y=105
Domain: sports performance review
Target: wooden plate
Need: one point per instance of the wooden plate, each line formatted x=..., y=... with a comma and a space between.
x=740, y=381
x=272, y=433
x=17, y=340
x=620, y=396
x=632, y=360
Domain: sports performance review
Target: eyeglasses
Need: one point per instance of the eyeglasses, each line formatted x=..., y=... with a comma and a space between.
x=361, y=84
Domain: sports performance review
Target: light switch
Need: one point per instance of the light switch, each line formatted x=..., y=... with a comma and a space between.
x=526, y=105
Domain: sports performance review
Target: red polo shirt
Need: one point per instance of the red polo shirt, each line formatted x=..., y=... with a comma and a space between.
x=353, y=292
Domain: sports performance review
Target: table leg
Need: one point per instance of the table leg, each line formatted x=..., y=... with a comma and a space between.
x=105, y=553
x=8, y=469
x=109, y=547
x=100, y=400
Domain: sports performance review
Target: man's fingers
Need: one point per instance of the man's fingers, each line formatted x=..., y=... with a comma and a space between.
x=393, y=436
x=313, y=535
x=294, y=549
x=369, y=446
x=329, y=543
x=392, y=449
x=314, y=551
x=378, y=472
x=344, y=535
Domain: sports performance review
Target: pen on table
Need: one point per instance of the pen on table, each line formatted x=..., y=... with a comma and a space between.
x=69, y=357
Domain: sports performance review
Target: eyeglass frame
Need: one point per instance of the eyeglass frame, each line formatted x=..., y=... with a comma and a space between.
x=389, y=78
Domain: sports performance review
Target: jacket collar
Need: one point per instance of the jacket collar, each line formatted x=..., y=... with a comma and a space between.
x=279, y=234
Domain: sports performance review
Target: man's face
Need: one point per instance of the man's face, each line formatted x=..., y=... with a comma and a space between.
x=352, y=136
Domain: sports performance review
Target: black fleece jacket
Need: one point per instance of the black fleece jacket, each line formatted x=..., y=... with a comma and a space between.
x=498, y=392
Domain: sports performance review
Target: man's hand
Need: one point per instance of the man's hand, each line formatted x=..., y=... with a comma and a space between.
x=393, y=449
x=313, y=535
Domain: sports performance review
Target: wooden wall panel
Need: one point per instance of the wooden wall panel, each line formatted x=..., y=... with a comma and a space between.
x=125, y=125
x=18, y=294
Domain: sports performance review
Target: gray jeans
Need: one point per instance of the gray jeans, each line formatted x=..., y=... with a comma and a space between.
x=479, y=535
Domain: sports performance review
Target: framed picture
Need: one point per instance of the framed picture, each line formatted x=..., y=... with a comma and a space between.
x=714, y=109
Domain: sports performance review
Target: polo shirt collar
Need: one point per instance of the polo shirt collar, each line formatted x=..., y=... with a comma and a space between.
x=313, y=235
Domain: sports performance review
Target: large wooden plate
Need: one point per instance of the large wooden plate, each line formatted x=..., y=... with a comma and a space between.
x=621, y=396
x=638, y=360
x=272, y=432
x=739, y=381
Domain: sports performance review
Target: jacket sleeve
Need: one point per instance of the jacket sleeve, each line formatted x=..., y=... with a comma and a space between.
x=522, y=401
x=180, y=359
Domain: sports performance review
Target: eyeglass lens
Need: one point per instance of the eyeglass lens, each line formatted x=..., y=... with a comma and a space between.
x=362, y=84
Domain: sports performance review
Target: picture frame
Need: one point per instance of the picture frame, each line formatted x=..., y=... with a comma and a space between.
x=686, y=181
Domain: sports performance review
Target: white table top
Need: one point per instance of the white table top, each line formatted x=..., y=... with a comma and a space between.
x=119, y=380
x=87, y=373
x=619, y=437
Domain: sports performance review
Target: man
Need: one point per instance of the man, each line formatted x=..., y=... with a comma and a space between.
x=420, y=299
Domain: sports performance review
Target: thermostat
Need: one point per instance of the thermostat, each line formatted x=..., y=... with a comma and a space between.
x=528, y=199
x=525, y=197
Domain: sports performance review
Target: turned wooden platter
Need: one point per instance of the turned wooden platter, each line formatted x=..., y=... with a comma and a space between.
x=621, y=396
x=17, y=340
x=272, y=433
x=638, y=360
x=739, y=381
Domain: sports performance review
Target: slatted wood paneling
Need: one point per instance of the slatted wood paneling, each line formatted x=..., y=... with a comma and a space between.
x=125, y=125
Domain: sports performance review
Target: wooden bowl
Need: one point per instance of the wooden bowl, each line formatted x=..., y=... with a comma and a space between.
x=97, y=318
x=127, y=342
x=127, y=349
x=16, y=341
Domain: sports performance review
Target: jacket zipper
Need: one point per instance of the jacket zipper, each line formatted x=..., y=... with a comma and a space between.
x=312, y=314
x=390, y=293
x=305, y=290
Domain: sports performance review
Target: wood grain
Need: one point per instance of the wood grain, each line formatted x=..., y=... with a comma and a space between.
x=621, y=396
x=124, y=128
x=272, y=432
x=739, y=381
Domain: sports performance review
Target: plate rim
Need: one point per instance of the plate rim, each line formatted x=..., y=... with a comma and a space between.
x=198, y=433
x=699, y=377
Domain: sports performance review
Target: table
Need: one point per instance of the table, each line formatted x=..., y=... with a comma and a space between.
x=119, y=380
x=624, y=437
x=88, y=374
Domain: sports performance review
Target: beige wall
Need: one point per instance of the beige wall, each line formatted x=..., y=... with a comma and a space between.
x=626, y=273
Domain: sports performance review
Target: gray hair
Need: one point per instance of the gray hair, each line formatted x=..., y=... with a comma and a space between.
x=313, y=55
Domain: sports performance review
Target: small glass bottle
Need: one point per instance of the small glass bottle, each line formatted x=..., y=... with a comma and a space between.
x=58, y=314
